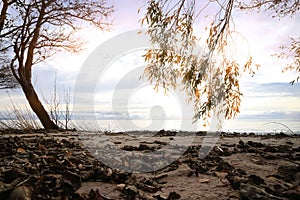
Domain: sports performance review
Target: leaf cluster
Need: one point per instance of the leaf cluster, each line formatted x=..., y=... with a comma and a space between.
x=209, y=75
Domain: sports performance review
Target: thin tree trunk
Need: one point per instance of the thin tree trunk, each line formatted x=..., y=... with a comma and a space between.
x=3, y=14
x=38, y=107
x=25, y=73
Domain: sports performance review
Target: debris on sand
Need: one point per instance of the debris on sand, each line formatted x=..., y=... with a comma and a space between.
x=56, y=166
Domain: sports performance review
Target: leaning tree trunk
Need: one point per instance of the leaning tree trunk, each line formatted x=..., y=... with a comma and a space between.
x=25, y=60
x=38, y=107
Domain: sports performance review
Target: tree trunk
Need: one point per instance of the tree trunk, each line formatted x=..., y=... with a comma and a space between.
x=3, y=14
x=38, y=107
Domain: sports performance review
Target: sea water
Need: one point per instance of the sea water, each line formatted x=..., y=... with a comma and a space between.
x=258, y=126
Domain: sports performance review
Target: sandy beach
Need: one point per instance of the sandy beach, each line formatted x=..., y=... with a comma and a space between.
x=148, y=165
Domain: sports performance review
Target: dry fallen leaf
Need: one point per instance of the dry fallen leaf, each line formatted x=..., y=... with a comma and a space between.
x=203, y=180
x=221, y=174
x=21, y=150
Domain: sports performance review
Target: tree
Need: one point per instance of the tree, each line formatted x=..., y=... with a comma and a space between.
x=210, y=80
x=281, y=9
x=33, y=30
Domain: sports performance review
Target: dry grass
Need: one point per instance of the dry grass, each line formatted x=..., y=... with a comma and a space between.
x=16, y=117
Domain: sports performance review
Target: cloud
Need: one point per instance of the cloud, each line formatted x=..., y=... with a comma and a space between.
x=274, y=90
x=272, y=115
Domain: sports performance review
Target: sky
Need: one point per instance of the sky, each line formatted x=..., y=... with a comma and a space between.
x=268, y=95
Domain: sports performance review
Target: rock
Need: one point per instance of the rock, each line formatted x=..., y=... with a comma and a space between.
x=130, y=192
x=72, y=179
x=255, y=179
x=109, y=172
x=102, y=189
x=281, y=135
x=201, y=133
x=121, y=187
x=129, y=148
x=50, y=185
x=293, y=195
x=21, y=193
x=86, y=175
x=160, y=142
x=224, y=166
x=56, y=167
x=241, y=143
x=278, y=186
x=117, y=142
x=240, y=171
x=143, y=147
x=159, y=197
x=257, y=161
x=236, y=180
x=5, y=190
x=271, y=149
x=288, y=173
x=146, y=197
x=120, y=177
x=173, y=196
x=163, y=133
x=228, y=145
x=234, y=196
x=255, y=144
x=96, y=195
x=252, y=191
x=147, y=184
x=12, y=174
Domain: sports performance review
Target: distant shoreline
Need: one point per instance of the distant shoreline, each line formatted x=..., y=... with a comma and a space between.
x=160, y=133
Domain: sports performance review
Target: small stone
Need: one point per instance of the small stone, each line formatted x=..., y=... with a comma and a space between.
x=120, y=187
x=130, y=191
x=109, y=172
x=72, y=179
x=252, y=191
x=80, y=166
x=173, y=196
x=12, y=174
x=256, y=179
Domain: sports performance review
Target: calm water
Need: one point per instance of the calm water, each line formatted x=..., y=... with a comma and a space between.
x=240, y=125
x=259, y=126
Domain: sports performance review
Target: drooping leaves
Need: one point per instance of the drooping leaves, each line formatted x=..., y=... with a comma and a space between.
x=208, y=74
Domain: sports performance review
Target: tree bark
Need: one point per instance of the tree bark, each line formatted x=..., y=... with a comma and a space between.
x=37, y=106
x=25, y=72
x=3, y=14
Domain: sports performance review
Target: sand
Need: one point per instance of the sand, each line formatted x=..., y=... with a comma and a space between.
x=148, y=165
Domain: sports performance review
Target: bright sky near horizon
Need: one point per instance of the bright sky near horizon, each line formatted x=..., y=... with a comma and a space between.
x=267, y=94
